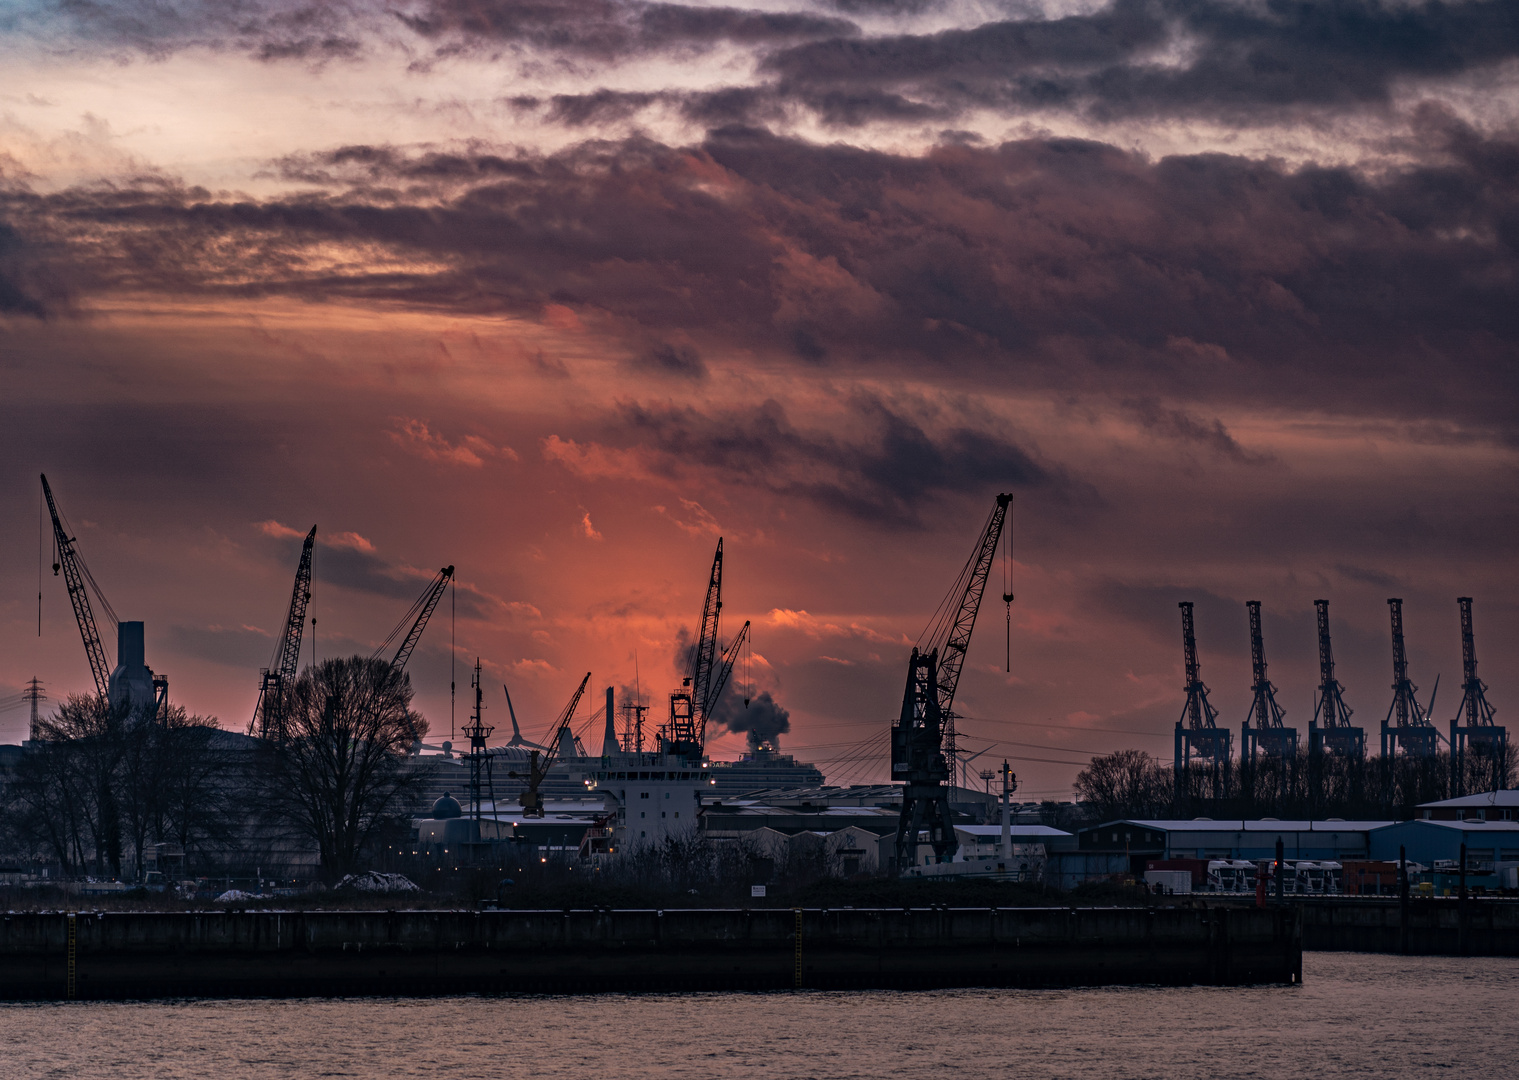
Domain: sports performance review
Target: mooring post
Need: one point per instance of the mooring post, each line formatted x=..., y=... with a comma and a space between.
x=72, y=920
x=1403, y=900
x=1461, y=912
x=1281, y=885
x=797, y=977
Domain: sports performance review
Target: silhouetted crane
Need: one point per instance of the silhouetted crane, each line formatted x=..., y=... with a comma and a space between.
x=77, y=577
x=1479, y=733
x=1269, y=736
x=539, y=762
x=1412, y=732
x=276, y=680
x=422, y=610
x=933, y=675
x=685, y=733
x=1197, y=730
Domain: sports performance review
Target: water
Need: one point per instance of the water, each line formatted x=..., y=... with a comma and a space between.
x=1355, y=1015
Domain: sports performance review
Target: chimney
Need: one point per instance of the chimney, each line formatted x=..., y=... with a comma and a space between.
x=609, y=739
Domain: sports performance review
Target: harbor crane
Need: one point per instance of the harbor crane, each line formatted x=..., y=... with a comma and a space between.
x=422, y=610
x=933, y=674
x=1330, y=730
x=1269, y=737
x=1412, y=732
x=276, y=680
x=1197, y=730
x=1479, y=733
x=685, y=733
x=539, y=762
x=77, y=577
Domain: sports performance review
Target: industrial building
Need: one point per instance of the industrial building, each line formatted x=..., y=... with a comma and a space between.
x=1125, y=846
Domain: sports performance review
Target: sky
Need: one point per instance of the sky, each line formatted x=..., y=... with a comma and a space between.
x=1225, y=293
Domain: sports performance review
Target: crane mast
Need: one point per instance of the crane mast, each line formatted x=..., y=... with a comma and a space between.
x=1479, y=732
x=538, y=763
x=276, y=680
x=918, y=737
x=685, y=733
x=75, y=576
x=1197, y=732
x=1407, y=723
x=1337, y=735
x=1268, y=735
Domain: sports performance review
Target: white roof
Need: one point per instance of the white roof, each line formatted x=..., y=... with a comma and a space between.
x=1236, y=825
x=1468, y=826
x=1016, y=830
x=1507, y=797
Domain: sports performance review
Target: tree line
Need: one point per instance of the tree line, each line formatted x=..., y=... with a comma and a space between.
x=1134, y=784
x=100, y=788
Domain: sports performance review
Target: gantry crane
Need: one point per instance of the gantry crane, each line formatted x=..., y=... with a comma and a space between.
x=538, y=763
x=933, y=674
x=1197, y=730
x=276, y=680
x=1330, y=730
x=77, y=577
x=1412, y=732
x=1479, y=732
x=422, y=610
x=685, y=733
x=1269, y=736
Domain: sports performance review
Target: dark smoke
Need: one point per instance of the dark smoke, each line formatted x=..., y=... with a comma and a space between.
x=764, y=719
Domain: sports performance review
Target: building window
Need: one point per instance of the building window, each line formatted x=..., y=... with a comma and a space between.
x=643, y=794
x=642, y=814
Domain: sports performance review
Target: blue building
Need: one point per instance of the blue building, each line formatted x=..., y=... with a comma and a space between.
x=1489, y=844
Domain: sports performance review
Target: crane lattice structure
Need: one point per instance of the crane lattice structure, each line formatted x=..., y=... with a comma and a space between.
x=271, y=713
x=685, y=732
x=1330, y=730
x=1407, y=726
x=422, y=609
x=1198, y=735
x=539, y=761
x=933, y=674
x=1479, y=732
x=77, y=577
x=1269, y=737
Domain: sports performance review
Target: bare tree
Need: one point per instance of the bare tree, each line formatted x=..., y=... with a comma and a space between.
x=341, y=775
x=1126, y=783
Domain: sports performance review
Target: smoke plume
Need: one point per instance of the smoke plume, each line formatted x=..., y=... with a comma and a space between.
x=764, y=719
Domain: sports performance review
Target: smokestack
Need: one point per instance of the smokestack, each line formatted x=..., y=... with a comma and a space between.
x=609, y=739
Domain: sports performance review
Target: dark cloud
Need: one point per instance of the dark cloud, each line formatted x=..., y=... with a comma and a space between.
x=1245, y=61
x=680, y=361
x=236, y=646
x=888, y=470
x=608, y=29
x=763, y=719
x=1205, y=279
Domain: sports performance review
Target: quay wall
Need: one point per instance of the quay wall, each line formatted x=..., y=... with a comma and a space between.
x=256, y=953
x=1426, y=926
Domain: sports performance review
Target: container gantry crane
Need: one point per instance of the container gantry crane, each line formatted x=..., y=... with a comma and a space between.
x=1407, y=725
x=276, y=680
x=1479, y=733
x=1197, y=731
x=933, y=674
x=1269, y=737
x=1330, y=730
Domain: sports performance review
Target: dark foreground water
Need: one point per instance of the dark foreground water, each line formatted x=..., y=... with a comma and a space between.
x=1356, y=1015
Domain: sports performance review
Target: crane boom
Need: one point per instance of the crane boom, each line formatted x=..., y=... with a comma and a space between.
x=948, y=636
x=722, y=670
x=275, y=681
x=422, y=610
x=538, y=763
x=705, y=657
x=75, y=575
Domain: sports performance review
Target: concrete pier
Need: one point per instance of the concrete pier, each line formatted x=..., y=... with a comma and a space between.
x=1421, y=926
x=269, y=953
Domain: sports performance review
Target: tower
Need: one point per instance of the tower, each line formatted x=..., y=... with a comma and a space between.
x=1197, y=732
x=1269, y=737
x=1479, y=736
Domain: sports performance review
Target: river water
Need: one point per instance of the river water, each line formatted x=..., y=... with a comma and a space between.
x=1355, y=1015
